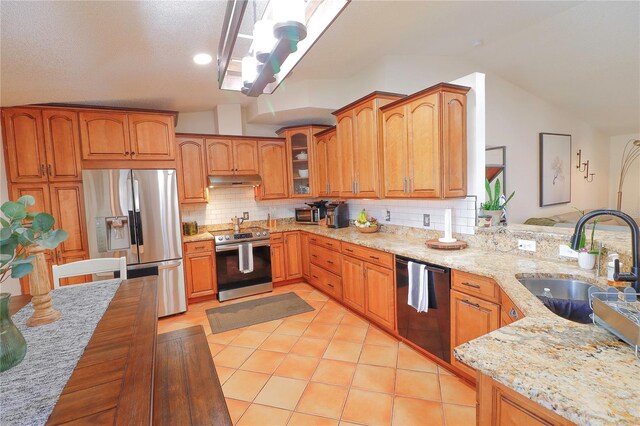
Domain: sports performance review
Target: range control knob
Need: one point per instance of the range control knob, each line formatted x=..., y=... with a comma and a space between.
x=226, y=237
x=219, y=238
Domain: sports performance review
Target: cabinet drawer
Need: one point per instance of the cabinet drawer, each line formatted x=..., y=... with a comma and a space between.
x=198, y=246
x=370, y=255
x=276, y=238
x=329, y=243
x=326, y=281
x=475, y=285
x=325, y=258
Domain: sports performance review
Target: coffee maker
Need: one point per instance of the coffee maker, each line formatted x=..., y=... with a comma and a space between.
x=338, y=215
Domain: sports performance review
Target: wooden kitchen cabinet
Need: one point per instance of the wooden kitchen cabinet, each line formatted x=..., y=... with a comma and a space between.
x=192, y=175
x=304, y=255
x=200, y=270
x=509, y=312
x=278, y=268
x=425, y=144
x=41, y=145
x=380, y=295
x=327, y=163
x=286, y=260
x=353, y=283
x=226, y=156
x=359, y=145
x=151, y=136
x=273, y=170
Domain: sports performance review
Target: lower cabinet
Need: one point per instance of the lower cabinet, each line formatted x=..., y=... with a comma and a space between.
x=286, y=256
x=200, y=270
x=353, y=283
x=304, y=256
x=326, y=281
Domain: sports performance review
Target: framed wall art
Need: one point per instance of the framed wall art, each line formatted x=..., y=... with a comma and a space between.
x=555, y=169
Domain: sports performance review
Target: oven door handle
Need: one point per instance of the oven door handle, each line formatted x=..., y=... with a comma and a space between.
x=232, y=247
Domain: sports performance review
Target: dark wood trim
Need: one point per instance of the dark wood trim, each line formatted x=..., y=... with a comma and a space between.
x=325, y=131
x=368, y=97
x=302, y=126
x=436, y=87
x=81, y=107
x=210, y=135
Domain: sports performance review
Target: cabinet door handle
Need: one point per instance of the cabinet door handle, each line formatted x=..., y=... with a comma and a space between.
x=410, y=184
x=329, y=262
x=50, y=170
x=475, y=305
x=374, y=257
x=315, y=276
x=126, y=153
x=349, y=250
x=471, y=285
x=330, y=285
x=199, y=247
x=404, y=184
x=133, y=153
x=42, y=170
x=357, y=185
x=59, y=257
x=314, y=256
x=513, y=313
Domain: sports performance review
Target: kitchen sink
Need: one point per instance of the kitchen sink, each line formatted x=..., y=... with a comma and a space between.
x=569, y=298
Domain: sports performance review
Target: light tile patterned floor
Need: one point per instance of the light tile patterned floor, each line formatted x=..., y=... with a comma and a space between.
x=327, y=367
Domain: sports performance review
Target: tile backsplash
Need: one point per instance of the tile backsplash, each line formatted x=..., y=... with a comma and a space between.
x=224, y=203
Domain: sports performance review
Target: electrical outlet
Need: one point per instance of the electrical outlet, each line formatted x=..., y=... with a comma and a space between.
x=387, y=216
x=426, y=219
x=527, y=245
x=245, y=215
x=566, y=251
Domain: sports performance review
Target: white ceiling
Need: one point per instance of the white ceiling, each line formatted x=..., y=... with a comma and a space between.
x=581, y=56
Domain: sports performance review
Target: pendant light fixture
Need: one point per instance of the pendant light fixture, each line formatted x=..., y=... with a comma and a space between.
x=263, y=39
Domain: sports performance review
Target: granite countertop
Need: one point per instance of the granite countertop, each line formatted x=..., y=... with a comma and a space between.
x=578, y=371
x=200, y=236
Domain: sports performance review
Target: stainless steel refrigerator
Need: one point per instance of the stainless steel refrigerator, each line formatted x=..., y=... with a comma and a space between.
x=135, y=213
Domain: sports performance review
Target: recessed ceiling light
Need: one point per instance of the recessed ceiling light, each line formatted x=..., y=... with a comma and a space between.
x=202, y=59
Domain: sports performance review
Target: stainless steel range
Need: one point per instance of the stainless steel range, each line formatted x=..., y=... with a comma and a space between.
x=243, y=263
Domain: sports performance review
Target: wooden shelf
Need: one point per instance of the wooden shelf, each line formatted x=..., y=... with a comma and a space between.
x=299, y=148
x=301, y=161
x=300, y=178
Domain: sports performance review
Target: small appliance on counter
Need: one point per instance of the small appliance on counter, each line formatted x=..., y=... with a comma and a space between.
x=313, y=214
x=189, y=228
x=338, y=215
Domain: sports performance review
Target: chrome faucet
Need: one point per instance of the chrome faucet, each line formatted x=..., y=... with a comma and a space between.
x=634, y=276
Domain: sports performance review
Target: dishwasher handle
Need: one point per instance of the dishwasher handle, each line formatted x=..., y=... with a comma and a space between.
x=427, y=267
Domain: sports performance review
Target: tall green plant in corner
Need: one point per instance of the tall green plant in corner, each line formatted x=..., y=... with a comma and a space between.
x=17, y=235
x=493, y=201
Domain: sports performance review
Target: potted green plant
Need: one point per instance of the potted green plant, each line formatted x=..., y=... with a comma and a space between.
x=20, y=231
x=588, y=252
x=493, y=206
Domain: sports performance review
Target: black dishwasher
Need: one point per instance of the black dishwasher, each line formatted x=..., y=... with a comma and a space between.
x=430, y=330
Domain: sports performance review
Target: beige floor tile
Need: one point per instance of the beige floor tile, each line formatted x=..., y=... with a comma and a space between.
x=260, y=415
x=383, y=356
x=263, y=361
x=350, y=333
x=236, y=408
x=300, y=419
x=215, y=348
x=444, y=372
x=322, y=400
x=279, y=343
x=456, y=391
x=172, y=326
x=244, y=385
x=281, y=392
x=232, y=356
x=316, y=295
x=417, y=384
x=342, y=423
x=370, y=408
x=459, y=415
x=320, y=330
x=409, y=359
x=374, y=378
x=354, y=320
x=266, y=327
x=409, y=411
x=224, y=373
x=305, y=317
x=297, y=367
x=328, y=317
x=249, y=339
x=223, y=338
x=377, y=337
x=291, y=328
x=303, y=287
x=341, y=350
x=334, y=372
x=307, y=346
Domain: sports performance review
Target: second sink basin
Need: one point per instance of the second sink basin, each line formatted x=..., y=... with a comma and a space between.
x=570, y=298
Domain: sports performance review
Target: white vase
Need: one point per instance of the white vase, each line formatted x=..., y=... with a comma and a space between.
x=586, y=260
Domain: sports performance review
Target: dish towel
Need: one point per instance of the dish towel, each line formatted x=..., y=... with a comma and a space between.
x=418, y=294
x=245, y=258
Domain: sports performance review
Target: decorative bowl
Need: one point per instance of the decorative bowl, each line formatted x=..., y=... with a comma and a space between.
x=302, y=156
x=303, y=173
x=368, y=229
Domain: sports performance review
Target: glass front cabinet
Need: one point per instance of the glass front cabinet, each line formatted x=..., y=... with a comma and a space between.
x=300, y=159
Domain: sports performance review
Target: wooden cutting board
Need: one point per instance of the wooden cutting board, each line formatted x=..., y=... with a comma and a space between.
x=435, y=244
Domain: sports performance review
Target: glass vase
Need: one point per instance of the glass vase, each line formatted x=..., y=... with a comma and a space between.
x=13, y=347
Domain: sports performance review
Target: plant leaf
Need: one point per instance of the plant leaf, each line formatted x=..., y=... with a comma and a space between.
x=4, y=223
x=19, y=271
x=497, y=189
x=20, y=261
x=5, y=234
x=13, y=211
x=27, y=200
x=26, y=238
x=42, y=222
x=487, y=187
x=51, y=239
x=9, y=246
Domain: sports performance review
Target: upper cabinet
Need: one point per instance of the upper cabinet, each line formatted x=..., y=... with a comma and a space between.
x=359, y=146
x=116, y=135
x=192, y=170
x=300, y=160
x=272, y=155
x=326, y=164
x=226, y=156
x=41, y=145
x=425, y=144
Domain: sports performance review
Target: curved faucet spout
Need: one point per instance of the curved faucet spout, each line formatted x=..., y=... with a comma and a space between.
x=634, y=276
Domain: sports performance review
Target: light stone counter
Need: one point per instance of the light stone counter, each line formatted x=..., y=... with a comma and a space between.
x=200, y=236
x=580, y=372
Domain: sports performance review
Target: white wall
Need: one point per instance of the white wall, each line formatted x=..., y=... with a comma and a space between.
x=631, y=188
x=10, y=285
x=197, y=122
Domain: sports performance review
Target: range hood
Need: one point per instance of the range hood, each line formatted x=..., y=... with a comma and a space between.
x=234, y=181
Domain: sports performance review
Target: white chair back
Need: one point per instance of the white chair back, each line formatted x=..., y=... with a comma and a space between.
x=91, y=266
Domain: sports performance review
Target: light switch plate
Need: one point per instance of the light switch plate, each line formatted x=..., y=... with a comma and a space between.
x=527, y=245
x=245, y=215
x=387, y=216
x=426, y=219
x=566, y=251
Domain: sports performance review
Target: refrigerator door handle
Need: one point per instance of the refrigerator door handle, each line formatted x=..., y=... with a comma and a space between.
x=172, y=265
